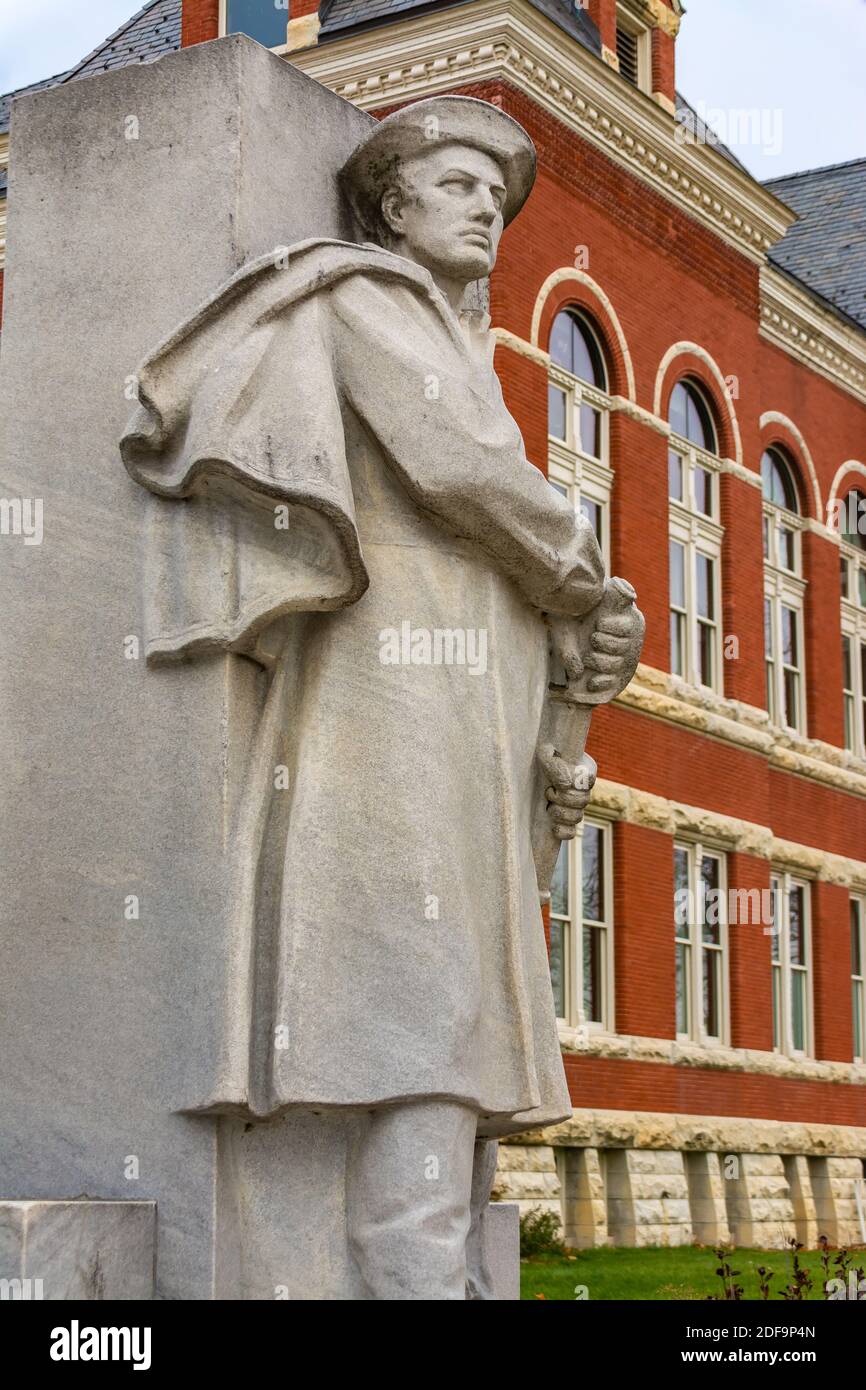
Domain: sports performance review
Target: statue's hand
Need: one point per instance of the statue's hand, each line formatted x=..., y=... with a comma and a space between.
x=569, y=787
x=614, y=648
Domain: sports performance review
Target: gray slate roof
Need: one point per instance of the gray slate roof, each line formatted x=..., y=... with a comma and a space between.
x=338, y=16
x=149, y=34
x=826, y=249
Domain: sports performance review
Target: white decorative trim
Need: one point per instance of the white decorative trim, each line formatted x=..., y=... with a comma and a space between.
x=663, y=696
x=684, y=1053
x=637, y=412
x=852, y=466
x=561, y=277
x=653, y=812
x=505, y=338
x=795, y=321
x=511, y=40
x=695, y=350
x=775, y=417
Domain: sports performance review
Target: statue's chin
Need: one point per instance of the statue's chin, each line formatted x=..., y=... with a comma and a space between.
x=468, y=264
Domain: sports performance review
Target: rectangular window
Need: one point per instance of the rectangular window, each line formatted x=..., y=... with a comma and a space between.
x=783, y=650
x=700, y=931
x=266, y=21
x=858, y=988
x=578, y=445
x=848, y=699
x=694, y=566
x=581, y=928
x=790, y=950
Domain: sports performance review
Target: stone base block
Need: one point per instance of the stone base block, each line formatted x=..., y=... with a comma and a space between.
x=83, y=1249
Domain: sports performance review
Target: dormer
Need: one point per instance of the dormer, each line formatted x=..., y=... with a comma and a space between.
x=638, y=39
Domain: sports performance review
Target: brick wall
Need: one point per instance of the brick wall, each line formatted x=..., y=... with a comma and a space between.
x=199, y=22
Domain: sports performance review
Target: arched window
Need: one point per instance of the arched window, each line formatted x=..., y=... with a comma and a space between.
x=578, y=411
x=784, y=589
x=853, y=577
x=695, y=538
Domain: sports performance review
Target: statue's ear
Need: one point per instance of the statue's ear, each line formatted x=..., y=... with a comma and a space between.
x=391, y=207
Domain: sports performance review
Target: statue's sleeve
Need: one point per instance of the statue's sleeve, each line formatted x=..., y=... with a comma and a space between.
x=444, y=427
x=239, y=439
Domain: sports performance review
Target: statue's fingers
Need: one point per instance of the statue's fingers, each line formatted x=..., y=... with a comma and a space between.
x=567, y=798
x=599, y=662
x=599, y=683
x=617, y=624
x=604, y=642
x=564, y=815
x=557, y=770
x=564, y=832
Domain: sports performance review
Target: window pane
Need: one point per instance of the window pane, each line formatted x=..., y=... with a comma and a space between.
x=261, y=19
x=560, y=342
x=675, y=476
x=557, y=966
x=585, y=355
x=857, y=1005
x=682, y=988
x=681, y=891
x=766, y=538
x=592, y=859
x=592, y=511
x=861, y=587
x=678, y=575
x=593, y=974
x=856, y=943
x=706, y=596
x=798, y=1010
x=797, y=926
x=559, y=886
x=710, y=899
x=706, y=659
x=704, y=491
x=768, y=629
x=590, y=431
x=678, y=644
x=786, y=548
x=712, y=983
x=846, y=663
x=556, y=405
x=678, y=410
x=843, y=576
x=775, y=906
x=790, y=652
x=777, y=1019
x=791, y=712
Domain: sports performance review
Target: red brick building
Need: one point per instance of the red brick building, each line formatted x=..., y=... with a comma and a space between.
x=687, y=361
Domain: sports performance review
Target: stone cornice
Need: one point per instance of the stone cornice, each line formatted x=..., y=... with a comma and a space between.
x=663, y=696
x=797, y=322
x=671, y=1052
x=510, y=40
x=653, y=1129
x=637, y=807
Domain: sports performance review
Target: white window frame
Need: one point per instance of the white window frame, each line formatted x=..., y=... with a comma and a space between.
x=699, y=535
x=858, y=982
x=572, y=472
x=572, y=926
x=781, y=883
x=690, y=935
x=783, y=587
x=627, y=21
x=854, y=628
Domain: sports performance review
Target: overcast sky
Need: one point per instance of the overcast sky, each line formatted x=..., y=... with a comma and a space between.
x=784, y=79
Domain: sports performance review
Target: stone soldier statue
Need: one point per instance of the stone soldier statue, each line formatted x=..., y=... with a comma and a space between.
x=342, y=498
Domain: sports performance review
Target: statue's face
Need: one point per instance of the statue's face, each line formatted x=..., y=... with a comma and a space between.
x=447, y=213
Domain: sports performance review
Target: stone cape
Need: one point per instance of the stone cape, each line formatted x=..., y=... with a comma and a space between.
x=387, y=941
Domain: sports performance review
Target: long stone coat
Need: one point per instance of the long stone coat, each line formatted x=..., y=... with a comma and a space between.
x=336, y=481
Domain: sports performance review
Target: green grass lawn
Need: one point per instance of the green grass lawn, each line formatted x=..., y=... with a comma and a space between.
x=683, y=1273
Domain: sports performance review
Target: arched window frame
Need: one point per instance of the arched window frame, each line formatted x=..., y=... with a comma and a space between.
x=852, y=561
x=784, y=605
x=586, y=479
x=695, y=547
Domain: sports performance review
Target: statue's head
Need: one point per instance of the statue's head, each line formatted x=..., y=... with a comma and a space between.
x=437, y=182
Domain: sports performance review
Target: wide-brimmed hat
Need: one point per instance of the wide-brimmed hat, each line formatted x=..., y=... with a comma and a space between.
x=414, y=129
